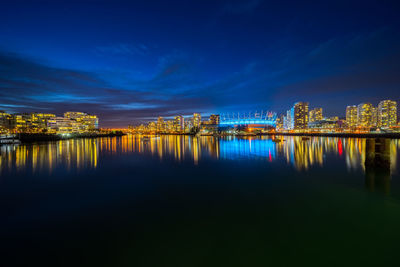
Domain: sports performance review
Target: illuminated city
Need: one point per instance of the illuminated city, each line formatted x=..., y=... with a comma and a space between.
x=237, y=133
x=71, y=122
x=362, y=119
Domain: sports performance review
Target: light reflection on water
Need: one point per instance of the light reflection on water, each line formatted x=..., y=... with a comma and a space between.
x=87, y=153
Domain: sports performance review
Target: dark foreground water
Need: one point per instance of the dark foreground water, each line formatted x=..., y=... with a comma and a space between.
x=182, y=201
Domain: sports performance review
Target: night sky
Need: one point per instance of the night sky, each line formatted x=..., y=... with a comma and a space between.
x=130, y=62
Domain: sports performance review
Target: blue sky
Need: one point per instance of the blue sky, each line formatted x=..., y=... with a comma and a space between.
x=131, y=61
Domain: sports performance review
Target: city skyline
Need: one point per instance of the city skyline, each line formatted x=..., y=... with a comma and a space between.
x=131, y=62
x=364, y=117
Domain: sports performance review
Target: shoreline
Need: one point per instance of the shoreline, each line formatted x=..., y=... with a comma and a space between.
x=345, y=135
x=38, y=137
x=32, y=138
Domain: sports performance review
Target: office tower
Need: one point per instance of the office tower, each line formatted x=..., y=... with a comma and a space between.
x=160, y=124
x=387, y=114
x=179, y=123
x=315, y=115
x=196, y=120
x=351, y=116
x=299, y=116
x=365, y=115
x=287, y=121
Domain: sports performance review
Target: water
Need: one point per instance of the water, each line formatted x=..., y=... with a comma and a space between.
x=183, y=201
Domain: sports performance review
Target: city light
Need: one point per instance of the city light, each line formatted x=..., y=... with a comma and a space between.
x=359, y=119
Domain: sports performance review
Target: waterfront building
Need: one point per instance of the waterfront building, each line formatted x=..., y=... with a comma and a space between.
x=279, y=122
x=62, y=125
x=87, y=121
x=30, y=122
x=287, y=121
x=170, y=126
x=196, y=120
x=39, y=120
x=152, y=126
x=5, y=121
x=214, y=119
x=324, y=125
x=160, y=124
x=179, y=123
x=387, y=114
x=21, y=122
x=299, y=116
x=365, y=115
x=315, y=115
x=374, y=118
x=351, y=116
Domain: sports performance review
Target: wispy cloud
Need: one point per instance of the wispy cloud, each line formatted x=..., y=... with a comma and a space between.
x=133, y=106
x=122, y=49
x=29, y=86
x=322, y=71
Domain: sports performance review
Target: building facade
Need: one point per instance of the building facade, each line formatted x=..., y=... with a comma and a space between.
x=365, y=115
x=299, y=116
x=62, y=125
x=315, y=115
x=387, y=114
x=87, y=121
x=196, y=120
x=214, y=119
x=351, y=116
x=179, y=123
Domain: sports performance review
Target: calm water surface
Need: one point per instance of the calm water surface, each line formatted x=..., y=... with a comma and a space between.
x=183, y=201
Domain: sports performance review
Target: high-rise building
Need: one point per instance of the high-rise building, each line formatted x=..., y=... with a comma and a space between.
x=152, y=126
x=315, y=115
x=279, y=122
x=387, y=114
x=179, y=123
x=160, y=124
x=374, y=118
x=351, y=116
x=365, y=115
x=287, y=121
x=170, y=125
x=299, y=116
x=214, y=119
x=196, y=120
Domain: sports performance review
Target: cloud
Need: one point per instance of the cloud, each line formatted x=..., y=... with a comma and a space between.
x=122, y=49
x=29, y=86
x=346, y=69
x=133, y=106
